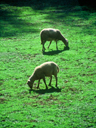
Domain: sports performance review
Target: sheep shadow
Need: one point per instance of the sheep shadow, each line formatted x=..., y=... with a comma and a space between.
x=43, y=91
x=55, y=51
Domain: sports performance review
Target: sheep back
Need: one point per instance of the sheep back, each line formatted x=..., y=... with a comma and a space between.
x=46, y=69
x=50, y=34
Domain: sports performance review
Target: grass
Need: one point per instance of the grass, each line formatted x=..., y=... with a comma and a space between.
x=73, y=105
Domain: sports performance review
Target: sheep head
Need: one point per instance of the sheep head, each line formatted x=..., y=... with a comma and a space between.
x=66, y=43
x=30, y=84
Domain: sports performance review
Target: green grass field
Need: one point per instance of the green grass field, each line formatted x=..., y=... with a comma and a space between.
x=73, y=105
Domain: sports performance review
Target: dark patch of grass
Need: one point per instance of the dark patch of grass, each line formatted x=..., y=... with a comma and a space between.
x=72, y=104
x=43, y=91
x=53, y=52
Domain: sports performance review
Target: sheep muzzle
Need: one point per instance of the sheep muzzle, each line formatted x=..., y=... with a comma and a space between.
x=30, y=84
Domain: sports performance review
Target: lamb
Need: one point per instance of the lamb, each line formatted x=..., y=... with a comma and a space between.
x=46, y=69
x=50, y=34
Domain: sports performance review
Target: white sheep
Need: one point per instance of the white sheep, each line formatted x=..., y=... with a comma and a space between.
x=46, y=69
x=50, y=34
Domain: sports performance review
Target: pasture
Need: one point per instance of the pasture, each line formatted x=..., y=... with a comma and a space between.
x=73, y=104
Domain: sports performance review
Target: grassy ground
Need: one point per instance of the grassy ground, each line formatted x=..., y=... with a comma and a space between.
x=73, y=105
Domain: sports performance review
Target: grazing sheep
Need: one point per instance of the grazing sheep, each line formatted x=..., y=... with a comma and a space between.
x=46, y=69
x=50, y=34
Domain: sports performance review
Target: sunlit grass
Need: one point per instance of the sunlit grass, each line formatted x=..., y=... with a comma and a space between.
x=73, y=104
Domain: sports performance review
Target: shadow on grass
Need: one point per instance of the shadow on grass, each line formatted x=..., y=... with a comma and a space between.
x=11, y=24
x=43, y=91
x=38, y=5
x=55, y=51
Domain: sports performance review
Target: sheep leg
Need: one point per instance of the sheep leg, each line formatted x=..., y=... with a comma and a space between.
x=56, y=45
x=45, y=82
x=43, y=48
x=50, y=81
x=56, y=80
x=49, y=44
x=38, y=83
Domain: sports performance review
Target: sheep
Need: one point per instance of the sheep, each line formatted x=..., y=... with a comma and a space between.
x=50, y=34
x=46, y=69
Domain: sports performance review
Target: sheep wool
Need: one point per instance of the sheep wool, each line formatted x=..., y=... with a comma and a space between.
x=46, y=69
x=50, y=34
